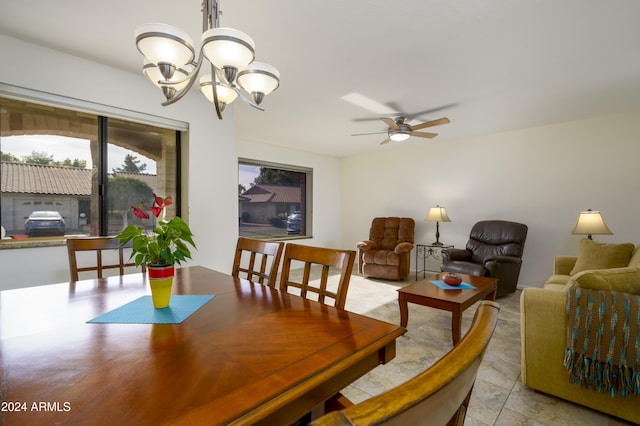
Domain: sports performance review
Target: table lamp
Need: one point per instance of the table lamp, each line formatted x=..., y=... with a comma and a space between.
x=437, y=214
x=590, y=223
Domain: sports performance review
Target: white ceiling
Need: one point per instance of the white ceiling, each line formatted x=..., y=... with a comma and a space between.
x=488, y=65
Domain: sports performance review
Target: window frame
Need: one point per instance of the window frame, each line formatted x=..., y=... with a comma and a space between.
x=308, y=196
x=103, y=113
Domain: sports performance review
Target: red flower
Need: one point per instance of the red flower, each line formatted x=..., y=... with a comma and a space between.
x=140, y=213
x=159, y=204
x=155, y=210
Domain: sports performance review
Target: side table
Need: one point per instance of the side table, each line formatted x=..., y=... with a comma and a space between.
x=431, y=256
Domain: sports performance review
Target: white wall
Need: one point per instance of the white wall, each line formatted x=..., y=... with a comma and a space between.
x=540, y=176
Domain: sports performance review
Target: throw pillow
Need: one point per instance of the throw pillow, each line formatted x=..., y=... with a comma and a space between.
x=594, y=255
x=622, y=280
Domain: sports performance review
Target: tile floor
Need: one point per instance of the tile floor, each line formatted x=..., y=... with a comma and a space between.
x=498, y=397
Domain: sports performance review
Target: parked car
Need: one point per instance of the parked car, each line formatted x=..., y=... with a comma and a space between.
x=44, y=222
x=293, y=223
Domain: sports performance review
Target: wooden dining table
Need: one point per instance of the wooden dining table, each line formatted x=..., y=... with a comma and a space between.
x=251, y=355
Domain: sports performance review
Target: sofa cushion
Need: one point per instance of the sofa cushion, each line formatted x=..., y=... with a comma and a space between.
x=594, y=255
x=382, y=257
x=622, y=280
x=635, y=258
x=558, y=279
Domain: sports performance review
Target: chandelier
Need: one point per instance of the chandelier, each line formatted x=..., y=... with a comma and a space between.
x=170, y=62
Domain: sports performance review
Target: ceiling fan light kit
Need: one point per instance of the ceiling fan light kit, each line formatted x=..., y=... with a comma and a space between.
x=170, y=62
x=399, y=130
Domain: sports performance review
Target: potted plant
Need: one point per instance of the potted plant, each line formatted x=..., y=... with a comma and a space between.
x=167, y=244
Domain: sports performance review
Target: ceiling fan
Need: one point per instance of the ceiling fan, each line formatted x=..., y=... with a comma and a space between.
x=400, y=130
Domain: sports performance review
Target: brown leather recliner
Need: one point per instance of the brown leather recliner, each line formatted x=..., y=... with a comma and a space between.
x=387, y=252
x=494, y=250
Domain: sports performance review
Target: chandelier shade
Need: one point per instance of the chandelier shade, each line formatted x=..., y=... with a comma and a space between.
x=164, y=44
x=259, y=79
x=171, y=64
x=228, y=48
x=225, y=94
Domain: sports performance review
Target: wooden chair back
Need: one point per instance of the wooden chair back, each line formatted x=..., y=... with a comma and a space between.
x=97, y=244
x=325, y=259
x=266, y=253
x=437, y=396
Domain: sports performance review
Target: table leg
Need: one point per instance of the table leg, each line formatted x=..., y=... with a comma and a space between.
x=456, y=325
x=491, y=296
x=404, y=310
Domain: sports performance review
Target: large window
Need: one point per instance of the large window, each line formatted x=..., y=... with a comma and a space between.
x=274, y=200
x=83, y=169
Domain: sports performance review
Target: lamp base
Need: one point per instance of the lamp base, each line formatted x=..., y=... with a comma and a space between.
x=437, y=243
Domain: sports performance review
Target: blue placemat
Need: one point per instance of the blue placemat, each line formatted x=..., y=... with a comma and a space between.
x=141, y=310
x=445, y=286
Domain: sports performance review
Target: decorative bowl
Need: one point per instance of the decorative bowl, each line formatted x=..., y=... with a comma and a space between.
x=452, y=279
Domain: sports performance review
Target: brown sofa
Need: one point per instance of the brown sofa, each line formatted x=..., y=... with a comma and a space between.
x=387, y=252
x=544, y=322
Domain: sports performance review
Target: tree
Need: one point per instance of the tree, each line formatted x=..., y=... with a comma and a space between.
x=38, y=157
x=124, y=192
x=269, y=176
x=8, y=158
x=82, y=164
x=241, y=188
x=131, y=165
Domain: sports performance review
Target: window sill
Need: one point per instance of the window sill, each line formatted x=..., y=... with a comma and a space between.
x=10, y=243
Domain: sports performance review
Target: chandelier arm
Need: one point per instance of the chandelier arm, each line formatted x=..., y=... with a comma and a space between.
x=192, y=78
x=214, y=88
x=246, y=97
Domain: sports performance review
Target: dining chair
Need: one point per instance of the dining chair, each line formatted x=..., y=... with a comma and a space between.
x=268, y=255
x=437, y=396
x=97, y=244
x=325, y=259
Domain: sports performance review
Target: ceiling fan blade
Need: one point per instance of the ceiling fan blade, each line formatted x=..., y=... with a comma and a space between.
x=432, y=123
x=368, y=104
x=387, y=140
x=424, y=135
x=356, y=120
x=390, y=123
x=429, y=111
x=363, y=134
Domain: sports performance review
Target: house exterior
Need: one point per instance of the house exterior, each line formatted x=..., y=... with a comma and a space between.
x=263, y=203
x=25, y=188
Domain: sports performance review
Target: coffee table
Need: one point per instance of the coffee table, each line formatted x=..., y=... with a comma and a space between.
x=455, y=301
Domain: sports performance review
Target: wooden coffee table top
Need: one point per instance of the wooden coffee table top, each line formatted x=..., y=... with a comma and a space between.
x=430, y=294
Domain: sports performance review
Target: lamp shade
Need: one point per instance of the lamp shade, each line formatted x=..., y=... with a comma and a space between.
x=164, y=44
x=227, y=47
x=437, y=214
x=226, y=95
x=591, y=222
x=259, y=77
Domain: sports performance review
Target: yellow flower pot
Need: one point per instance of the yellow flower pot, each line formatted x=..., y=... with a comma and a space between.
x=160, y=281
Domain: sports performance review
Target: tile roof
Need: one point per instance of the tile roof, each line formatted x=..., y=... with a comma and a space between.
x=273, y=193
x=21, y=178
x=38, y=179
